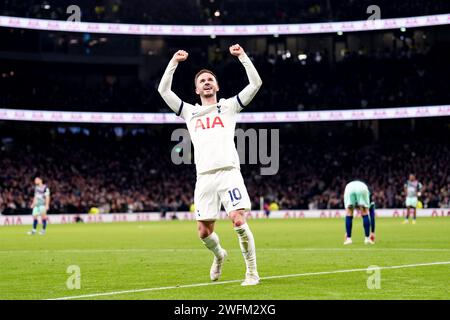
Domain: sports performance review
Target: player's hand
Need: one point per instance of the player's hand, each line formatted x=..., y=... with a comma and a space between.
x=46, y=208
x=236, y=50
x=419, y=194
x=180, y=55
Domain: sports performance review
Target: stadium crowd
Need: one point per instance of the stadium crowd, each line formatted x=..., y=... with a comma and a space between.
x=134, y=172
x=360, y=80
x=220, y=11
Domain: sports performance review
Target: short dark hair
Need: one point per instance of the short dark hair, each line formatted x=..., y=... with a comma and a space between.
x=201, y=72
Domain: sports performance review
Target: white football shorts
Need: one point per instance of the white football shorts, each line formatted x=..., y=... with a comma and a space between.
x=222, y=186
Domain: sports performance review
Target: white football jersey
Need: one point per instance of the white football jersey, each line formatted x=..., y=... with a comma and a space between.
x=212, y=127
x=212, y=133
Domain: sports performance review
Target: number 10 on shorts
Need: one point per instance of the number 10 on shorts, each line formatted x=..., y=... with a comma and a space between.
x=235, y=194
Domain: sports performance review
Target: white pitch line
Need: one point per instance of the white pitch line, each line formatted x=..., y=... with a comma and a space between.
x=371, y=248
x=234, y=281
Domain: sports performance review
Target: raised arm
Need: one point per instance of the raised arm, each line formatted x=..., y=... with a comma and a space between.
x=255, y=82
x=165, y=85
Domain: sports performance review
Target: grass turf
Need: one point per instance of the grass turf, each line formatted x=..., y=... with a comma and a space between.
x=128, y=256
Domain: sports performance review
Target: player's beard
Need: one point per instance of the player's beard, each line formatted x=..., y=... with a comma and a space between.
x=209, y=95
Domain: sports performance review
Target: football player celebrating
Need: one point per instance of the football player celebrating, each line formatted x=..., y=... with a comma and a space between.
x=211, y=126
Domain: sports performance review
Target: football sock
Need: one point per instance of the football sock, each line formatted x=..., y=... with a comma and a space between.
x=44, y=224
x=366, y=224
x=212, y=243
x=372, y=220
x=407, y=214
x=247, y=244
x=414, y=214
x=348, y=225
x=35, y=222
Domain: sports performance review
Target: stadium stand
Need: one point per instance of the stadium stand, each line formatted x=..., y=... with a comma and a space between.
x=133, y=172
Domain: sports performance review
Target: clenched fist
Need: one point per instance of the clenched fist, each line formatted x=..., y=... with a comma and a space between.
x=236, y=50
x=180, y=55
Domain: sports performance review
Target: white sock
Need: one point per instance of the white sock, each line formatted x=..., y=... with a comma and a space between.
x=212, y=243
x=247, y=243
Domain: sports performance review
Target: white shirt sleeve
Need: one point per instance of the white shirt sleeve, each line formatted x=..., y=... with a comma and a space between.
x=165, y=89
x=248, y=93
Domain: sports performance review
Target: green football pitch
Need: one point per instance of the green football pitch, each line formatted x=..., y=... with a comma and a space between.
x=297, y=259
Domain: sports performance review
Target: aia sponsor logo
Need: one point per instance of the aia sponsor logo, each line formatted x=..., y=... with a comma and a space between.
x=33, y=23
x=336, y=115
x=358, y=114
x=304, y=28
x=56, y=116
x=270, y=116
x=96, y=117
x=401, y=113
x=208, y=124
x=76, y=117
x=198, y=30
x=240, y=29
x=432, y=20
x=411, y=22
x=347, y=26
x=390, y=23
x=113, y=28
x=291, y=116
x=93, y=27
x=218, y=30
x=260, y=29
x=159, y=118
x=53, y=25
x=138, y=118
x=247, y=118
x=155, y=29
x=116, y=117
x=14, y=22
x=326, y=27
x=444, y=110
x=134, y=28
x=284, y=29
x=19, y=115
x=313, y=116
x=177, y=29
x=37, y=116
x=422, y=111
x=379, y=114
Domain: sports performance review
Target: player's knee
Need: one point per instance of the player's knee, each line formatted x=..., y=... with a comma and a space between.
x=238, y=223
x=203, y=232
x=237, y=217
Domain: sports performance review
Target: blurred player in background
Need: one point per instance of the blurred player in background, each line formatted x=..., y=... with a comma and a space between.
x=413, y=190
x=372, y=219
x=40, y=205
x=357, y=196
x=211, y=126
